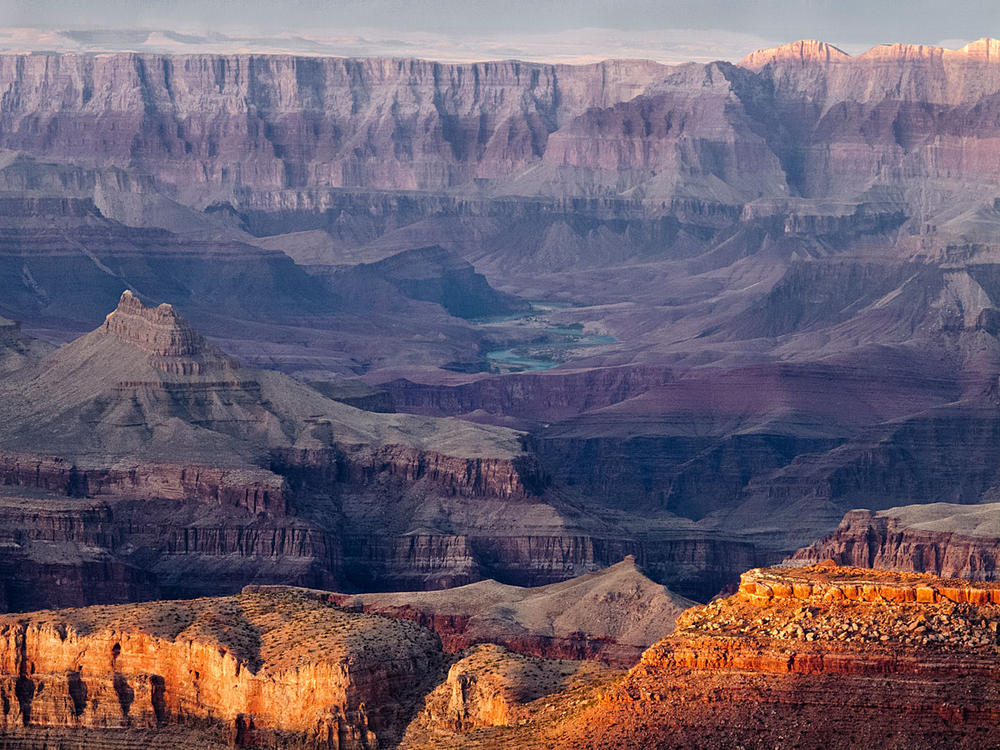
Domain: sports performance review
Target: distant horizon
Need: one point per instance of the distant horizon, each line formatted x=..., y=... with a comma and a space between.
x=558, y=49
x=558, y=31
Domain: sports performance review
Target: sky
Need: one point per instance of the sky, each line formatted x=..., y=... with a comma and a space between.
x=556, y=30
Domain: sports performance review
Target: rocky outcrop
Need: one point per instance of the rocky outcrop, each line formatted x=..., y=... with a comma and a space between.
x=274, y=667
x=839, y=655
x=488, y=686
x=804, y=51
x=450, y=475
x=171, y=343
x=941, y=538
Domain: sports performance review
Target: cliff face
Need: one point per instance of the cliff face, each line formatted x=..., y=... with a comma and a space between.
x=487, y=686
x=285, y=122
x=940, y=538
x=269, y=666
x=256, y=490
x=533, y=397
x=171, y=343
x=284, y=131
x=839, y=656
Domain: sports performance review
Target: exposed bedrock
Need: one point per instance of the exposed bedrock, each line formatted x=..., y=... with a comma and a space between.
x=293, y=122
x=451, y=475
x=842, y=656
x=961, y=541
x=276, y=667
x=256, y=490
x=534, y=397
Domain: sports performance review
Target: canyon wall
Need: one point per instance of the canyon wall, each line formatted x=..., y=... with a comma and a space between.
x=237, y=662
x=840, y=656
x=941, y=538
x=284, y=122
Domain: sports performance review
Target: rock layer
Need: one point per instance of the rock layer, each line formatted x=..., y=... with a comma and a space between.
x=838, y=655
x=274, y=667
x=610, y=616
x=942, y=538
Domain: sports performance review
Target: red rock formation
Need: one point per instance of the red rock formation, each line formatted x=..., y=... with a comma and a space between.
x=940, y=538
x=273, y=666
x=820, y=656
x=487, y=686
x=256, y=490
x=452, y=475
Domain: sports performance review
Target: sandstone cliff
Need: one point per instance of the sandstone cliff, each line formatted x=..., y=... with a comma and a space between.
x=940, y=538
x=258, y=668
x=817, y=657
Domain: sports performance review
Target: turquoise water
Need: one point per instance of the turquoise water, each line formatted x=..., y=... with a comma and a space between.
x=536, y=357
x=518, y=362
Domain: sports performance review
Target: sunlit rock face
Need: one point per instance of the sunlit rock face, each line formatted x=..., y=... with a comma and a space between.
x=278, y=665
x=837, y=655
x=942, y=538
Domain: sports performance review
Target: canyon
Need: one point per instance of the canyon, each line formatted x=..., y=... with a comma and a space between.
x=142, y=461
x=918, y=652
x=357, y=403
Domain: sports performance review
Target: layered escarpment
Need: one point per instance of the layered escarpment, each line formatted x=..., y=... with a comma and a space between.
x=375, y=123
x=252, y=669
x=941, y=538
x=840, y=656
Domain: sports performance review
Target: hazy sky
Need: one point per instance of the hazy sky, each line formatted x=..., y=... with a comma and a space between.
x=664, y=29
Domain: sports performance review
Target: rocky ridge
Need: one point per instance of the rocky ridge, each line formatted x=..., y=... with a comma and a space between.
x=610, y=616
x=841, y=655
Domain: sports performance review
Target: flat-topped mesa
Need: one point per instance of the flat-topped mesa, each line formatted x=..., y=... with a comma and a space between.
x=171, y=343
x=804, y=50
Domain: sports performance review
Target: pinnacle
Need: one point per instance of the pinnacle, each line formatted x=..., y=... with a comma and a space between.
x=162, y=333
